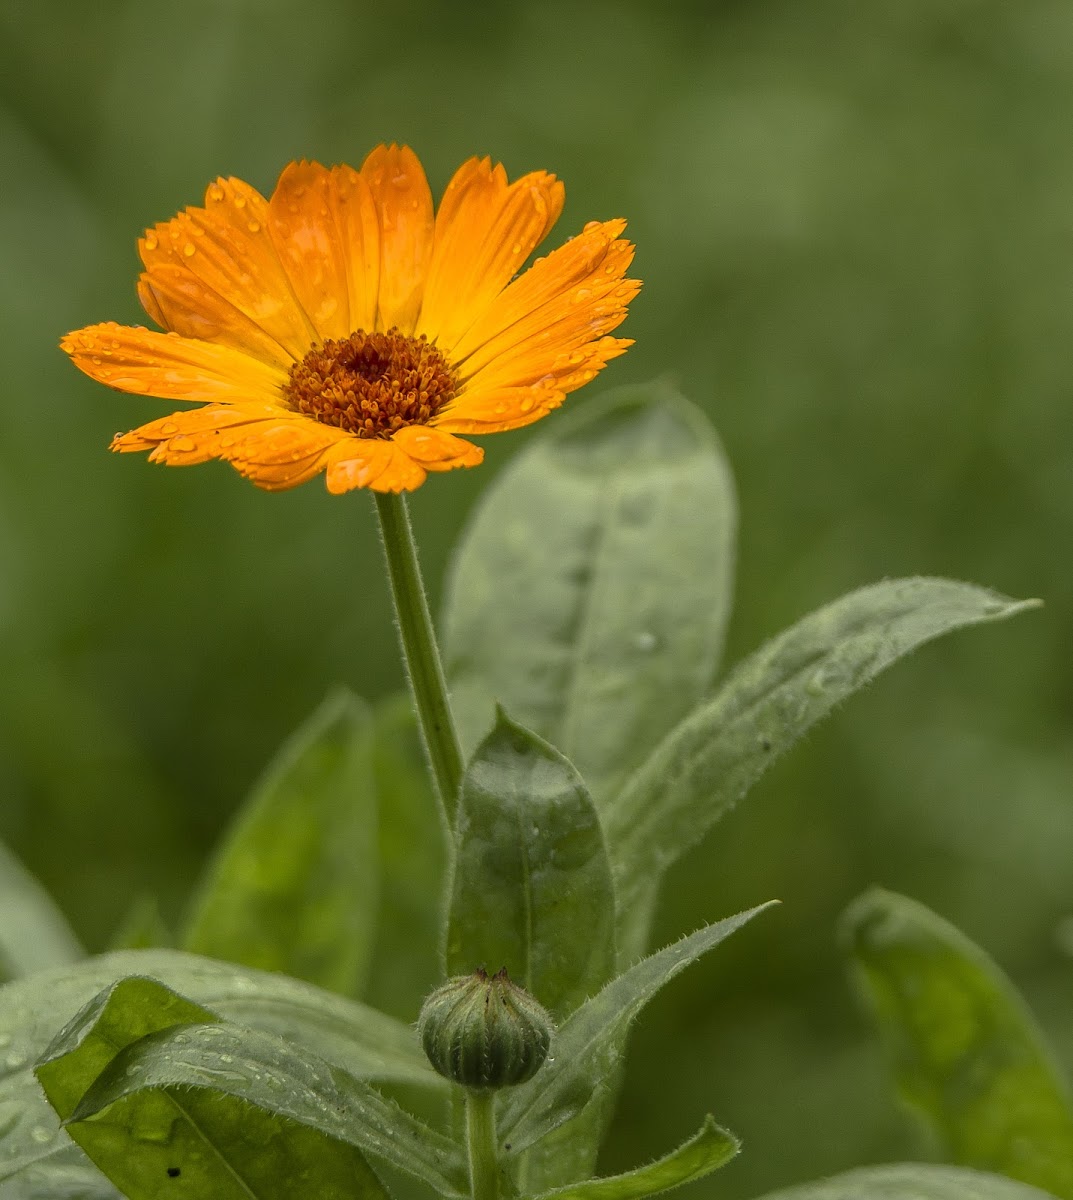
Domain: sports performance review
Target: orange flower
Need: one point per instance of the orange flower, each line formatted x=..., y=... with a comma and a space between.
x=344, y=326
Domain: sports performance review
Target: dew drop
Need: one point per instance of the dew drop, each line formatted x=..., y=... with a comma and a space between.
x=189, y=249
x=41, y=1135
x=169, y=427
x=183, y=443
x=254, y=227
x=646, y=642
x=240, y=201
x=151, y=240
x=517, y=248
x=215, y=192
x=15, y=1060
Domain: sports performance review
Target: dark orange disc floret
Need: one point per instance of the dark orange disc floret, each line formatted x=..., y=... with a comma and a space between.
x=371, y=384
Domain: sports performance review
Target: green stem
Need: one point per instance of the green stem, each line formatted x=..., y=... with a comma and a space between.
x=481, y=1142
x=419, y=650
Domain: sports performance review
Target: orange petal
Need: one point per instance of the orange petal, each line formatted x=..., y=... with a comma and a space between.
x=165, y=364
x=359, y=227
x=208, y=264
x=494, y=409
x=274, y=449
x=578, y=288
x=435, y=449
x=485, y=230
x=404, y=205
x=372, y=463
x=309, y=243
x=198, y=434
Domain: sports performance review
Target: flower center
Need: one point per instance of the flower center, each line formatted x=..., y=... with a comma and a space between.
x=371, y=384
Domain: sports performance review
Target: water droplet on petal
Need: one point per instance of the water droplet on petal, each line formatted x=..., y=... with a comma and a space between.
x=254, y=227
x=169, y=427
x=182, y=443
x=240, y=201
x=189, y=249
x=41, y=1135
x=151, y=241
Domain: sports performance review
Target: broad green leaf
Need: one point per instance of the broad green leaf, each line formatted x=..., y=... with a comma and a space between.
x=709, y=1149
x=910, y=1181
x=406, y=962
x=966, y=1051
x=261, y=1069
x=712, y=759
x=532, y=886
x=591, y=591
x=34, y=934
x=216, y=1144
x=572, y=1085
x=364, y=1042
x=294, y=886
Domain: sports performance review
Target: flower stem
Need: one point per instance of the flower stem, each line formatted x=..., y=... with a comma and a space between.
x=481, y=1143
x=419, y=650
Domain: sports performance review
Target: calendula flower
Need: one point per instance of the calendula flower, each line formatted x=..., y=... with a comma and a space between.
x=345, y=326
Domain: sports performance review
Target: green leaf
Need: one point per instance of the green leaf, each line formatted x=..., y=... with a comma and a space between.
x=572, y=1086
x=966, y=1051
x=215, y=1143
x=910, y=1181
x=65, y=1175
x=294, y=886
x=362, y=1041
x=406, y=962
x=712, y=759
x=709, y=1149
x=142, y=927
x=261, y=1069
x=568, y=602
x=34, y=934
x=532, y=885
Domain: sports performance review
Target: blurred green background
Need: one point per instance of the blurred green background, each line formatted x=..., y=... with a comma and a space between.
x=855, y=227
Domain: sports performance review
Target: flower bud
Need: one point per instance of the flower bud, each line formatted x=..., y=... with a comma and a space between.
x=484, y=1032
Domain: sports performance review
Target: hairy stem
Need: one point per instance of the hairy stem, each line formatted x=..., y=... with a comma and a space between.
x=481, y=1143
x=419, y=651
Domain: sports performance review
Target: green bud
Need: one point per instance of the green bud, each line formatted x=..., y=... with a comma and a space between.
x=484, y=1032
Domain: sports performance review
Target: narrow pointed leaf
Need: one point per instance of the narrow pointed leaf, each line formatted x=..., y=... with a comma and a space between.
x=143, y=927
x=568, y=602
x=294, y=886
x=279, y=1079
x=706, y=1151
x=364, y=1042
x=572, y=1086
x=712, y=759
x=532, y=885
x=966, y=1051
x=34, y=934
x=911, y=1181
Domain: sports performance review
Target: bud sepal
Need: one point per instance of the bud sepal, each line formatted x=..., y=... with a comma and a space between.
x=484, y=1032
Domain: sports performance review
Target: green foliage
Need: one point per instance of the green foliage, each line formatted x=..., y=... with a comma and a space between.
x=576, y=1084
x=769, y=701
x=532, y=885
x=965, y=1049
x=568, y=603
x=34, y=934
x=911, y=1181
x=185, y=1058
x=150, y=1132
x=362, y=1041
x=294, y=886
x=703, y=1153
